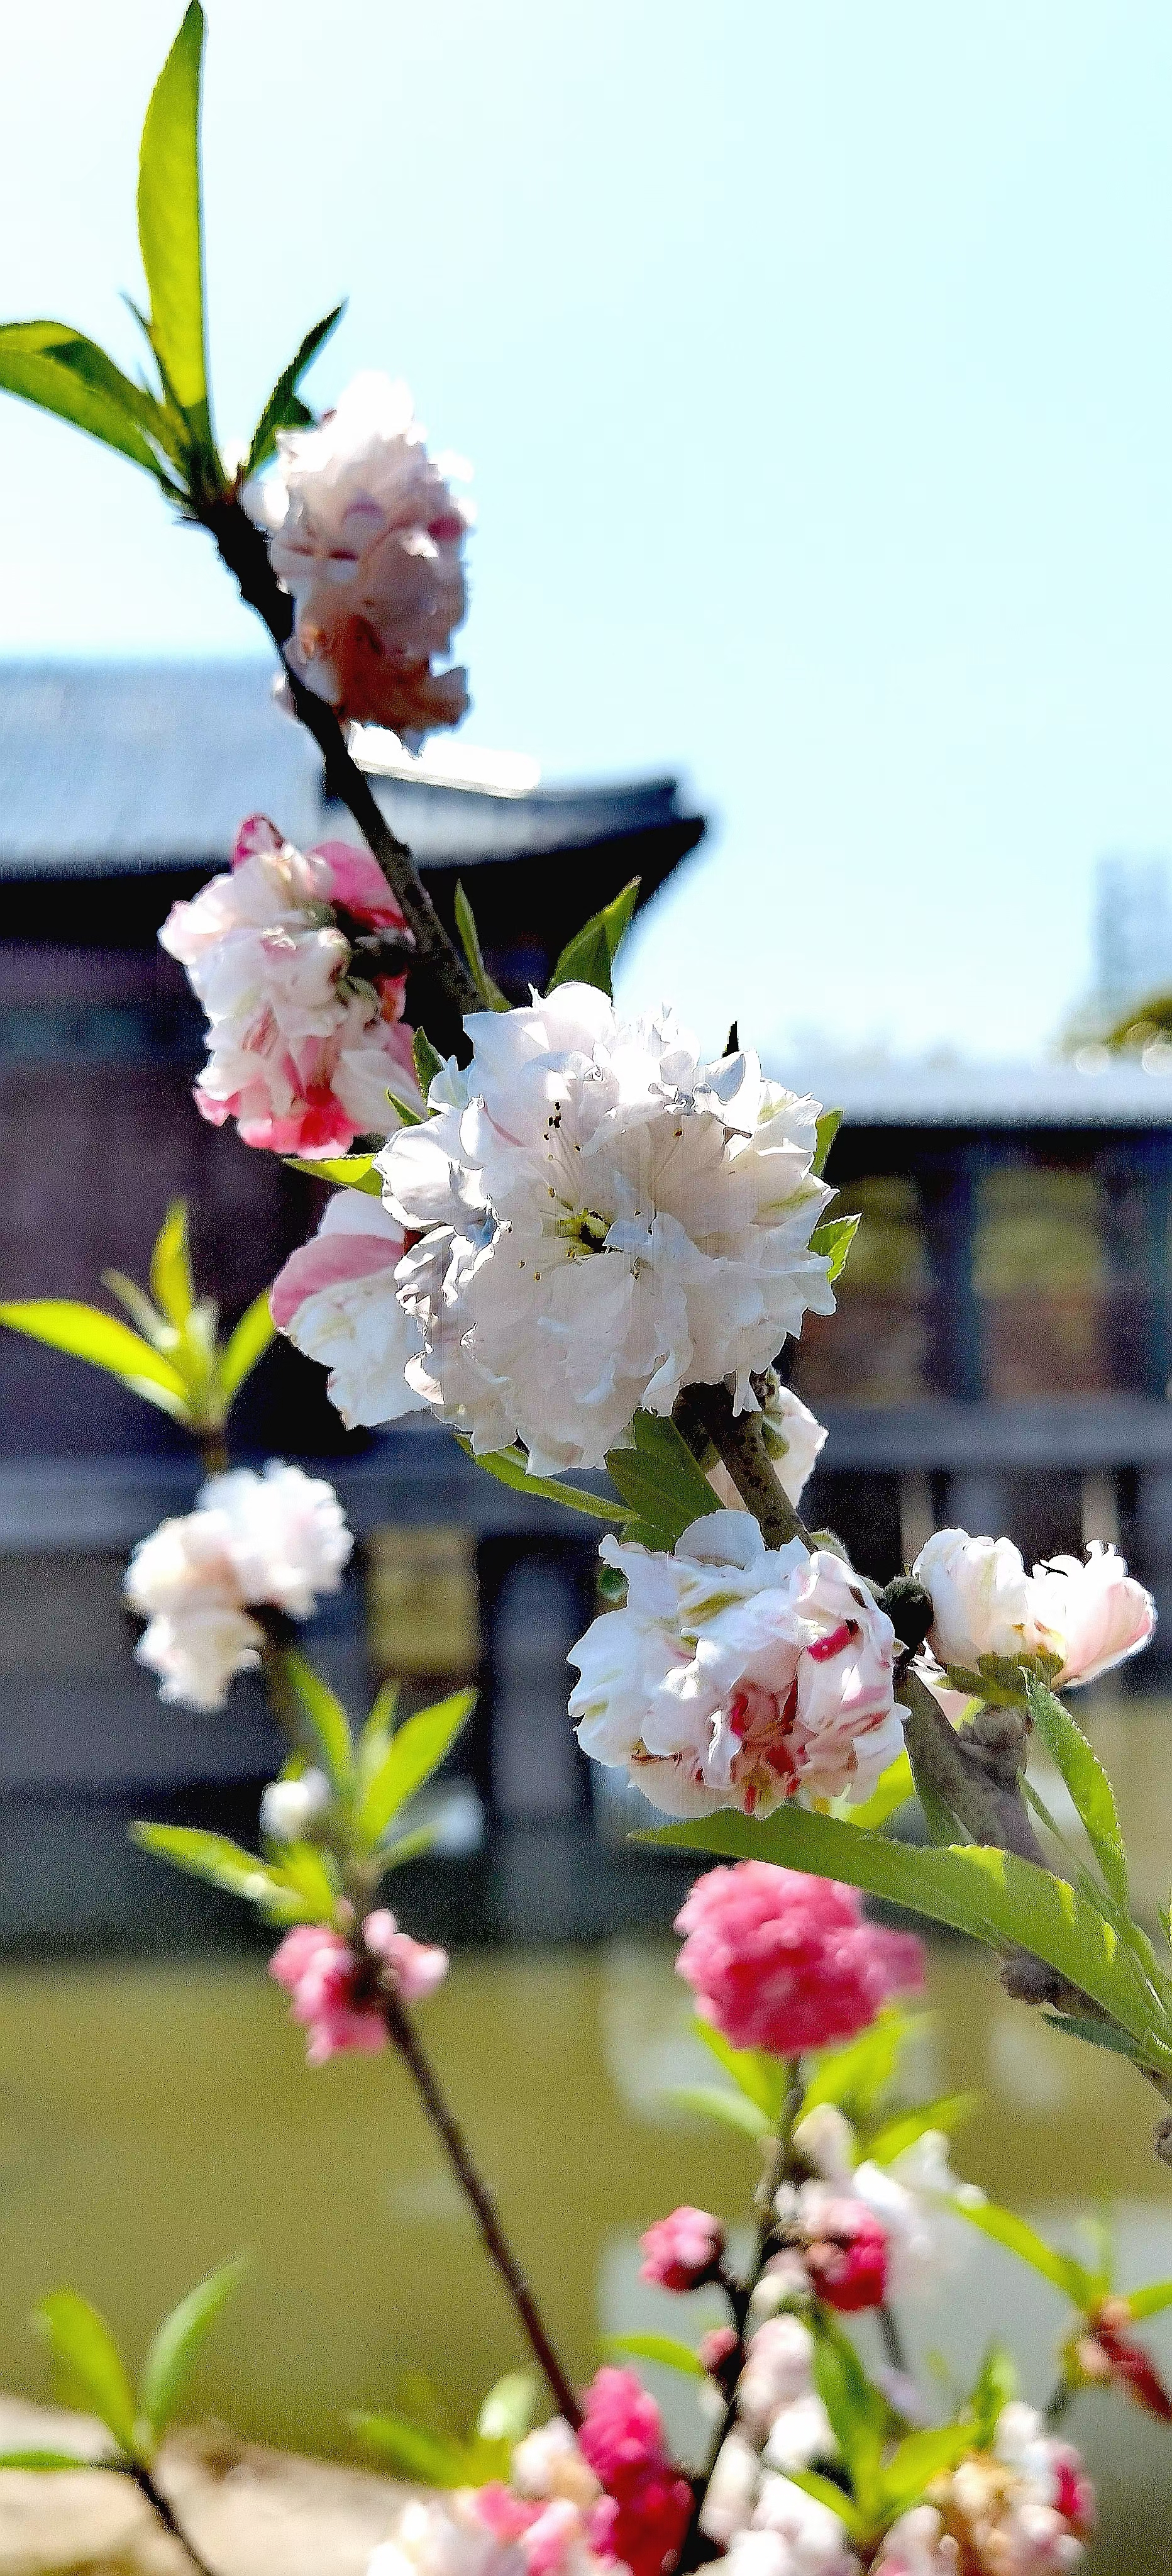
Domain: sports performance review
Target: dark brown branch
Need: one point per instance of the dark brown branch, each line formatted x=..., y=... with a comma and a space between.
x=406, y=2039
x=159, y=2505
x=242, y=548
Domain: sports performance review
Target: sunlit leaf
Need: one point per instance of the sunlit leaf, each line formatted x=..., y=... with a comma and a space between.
x=859, y=2072
x=826, y=1129
x=1096, y=2034
x=589, y=956
x=328, y=1719
x=283, y=410
x=222, y=1864
x=426, y=1059
x=510, y=1467
x=311, y=1877
x=948, y=2113
x=490, y=992
x=1148, y=2302
x=920, y=2458
x=858, y=2413
x=657, y=2347
x=43, y=2460
x=835, y=1238
x=246, y=1344
x=428, y=2458
x=347, y=1171
x=1006, y=2228
x=418, y=1749
x=832, y=2496
x=659, y=1480
x=177, y=2342
x=1087, y=1782
x=60, y=371
x=762, y=2078
x=170, y=221
x=85, y=2351
x=86, y=1334
x=172, y=1286
x=995, y=2387
x=891, y=1791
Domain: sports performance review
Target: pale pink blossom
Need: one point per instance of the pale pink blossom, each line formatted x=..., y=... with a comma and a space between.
x=364, y=531
x=277, y=1540
x=335, y=1299
x=333, y=1992
x=1069, y=1619
x=305, y=1032
x=736, y=1674
x=682, y=2250
x=783, y=1961
x=778, y=2371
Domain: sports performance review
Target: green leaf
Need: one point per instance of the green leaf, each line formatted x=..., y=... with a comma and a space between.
x=59, y=370
x=85, y=2351
x=1148, y=2302
x=657, y=2347
x=328, y=1719
x=995, y=2386
x=223, y=1864
x=246, y=1344
x=417, y=1750
x=828, y=2494
x=1097, y=2034
x=170, y=222
x=490, y=993
x=920, y=2458
x=511, y=1467
x=660, y=1482
x=283, y=410
x=370, y=1750
x=1087, y=1782
x=835, y=1238
x=589, y=956
x=45, y=2460
x=177, y=2342
x=428, y=2458
x=947, y=2113
x=403, y=1847
x=87, y=1334
x=859, y=2072
x=858, y=2414
x=172, y=1286
x=143, y=1312
x=990, y=1894
x=310, y=1876
x=891, y=1791
x=762, y=2079
x=1006, y=2228
x=405, y=1111
x=716, y=2102
x=427, y=1061
x=347, y=1171
x=509, y=2408
x=826, y=1129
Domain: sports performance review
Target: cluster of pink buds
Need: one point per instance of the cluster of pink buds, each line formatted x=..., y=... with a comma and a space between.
x=647, y=2504
x=334, y=1988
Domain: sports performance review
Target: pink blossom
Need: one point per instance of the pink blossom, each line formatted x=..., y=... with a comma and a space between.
x=645, y=2512
x=621, y=2433
x=416, y=1966
x=682, y=2251
x=847, y=2259
x=332, y=1988
x=305, y=1032
x=783, y=1961
x=335, y=1298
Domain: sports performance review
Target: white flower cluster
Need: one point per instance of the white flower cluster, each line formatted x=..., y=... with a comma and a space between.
x=364, y=531
x=1071, y=1619
x=539, y=2525
x=914, y=2199
x=277, y=1539
x=600, y=1218
x=738, y=1674
x=305, y=1034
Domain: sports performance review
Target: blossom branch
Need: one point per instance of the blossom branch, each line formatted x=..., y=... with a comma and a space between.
x=242, y=548
x=704, y=1415
x=403, y=2033
x=158, y=2503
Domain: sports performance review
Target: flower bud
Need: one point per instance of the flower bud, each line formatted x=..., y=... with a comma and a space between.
x=290, y=1809
x=682, y=2251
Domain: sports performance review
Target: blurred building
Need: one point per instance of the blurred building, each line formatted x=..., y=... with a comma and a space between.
x=1132, y=933
x=121, y=790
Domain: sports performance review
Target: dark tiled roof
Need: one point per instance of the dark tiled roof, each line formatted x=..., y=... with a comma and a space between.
x=117, y=768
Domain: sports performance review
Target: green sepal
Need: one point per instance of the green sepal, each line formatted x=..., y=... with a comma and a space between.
x=589, y=956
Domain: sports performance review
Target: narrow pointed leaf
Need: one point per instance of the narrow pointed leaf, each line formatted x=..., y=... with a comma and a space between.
x=328, y=1719
x=417, y=1750
x=84, y=2349
x=732, y=2110
x=393, y=1852
x=490, y=992
x=177, y=2342
x=371, y=1748
x=1006, y=2228
x=994, y=2389
x=660, y=1482
x=60, y=371
x=45, y=2460
x=1097, y=2034
x=431, y=2459
x=283, y=410
x=428, y=1062
x=347, y=1171
x=223, y=1864
x=310, y=1877
x=511, y=1467
x=143, y=1312
x=988, y=1893
x=761, y=2078
x=86, y=1334
x=891, y=1791
x=826, y=1129
x=589, y=956
x=246, y=1344
x=1087, y=1782
x=657, y=2347
x=919, y=2459
x=510, y=2407
x=835, y=1238
x=172, y=1286
x=947, y=2113
x=828, y=2494
x=859, y=2072
x=170, y=219
x=1148, y=2302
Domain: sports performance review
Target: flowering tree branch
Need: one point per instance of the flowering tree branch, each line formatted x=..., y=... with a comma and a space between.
x=242, y=549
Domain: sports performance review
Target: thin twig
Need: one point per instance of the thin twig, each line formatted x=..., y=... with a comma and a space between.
x=242, y=548
x=406, y=2039
x=170, y=2520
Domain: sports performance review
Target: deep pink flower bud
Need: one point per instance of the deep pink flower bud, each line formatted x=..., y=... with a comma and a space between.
x=682, y=2251
x=847, y=2260
x=783, y=1961
x=716, y=2349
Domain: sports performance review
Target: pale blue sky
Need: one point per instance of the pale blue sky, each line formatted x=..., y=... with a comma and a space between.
x=816, y=367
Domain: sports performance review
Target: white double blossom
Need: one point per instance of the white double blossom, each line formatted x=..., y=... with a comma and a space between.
x=602, y=1218
x=336, y=1301
x=1070, y=1618
x=737, y=1674
x=916, y=2199
x=366, y=534
x=277, y=1540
